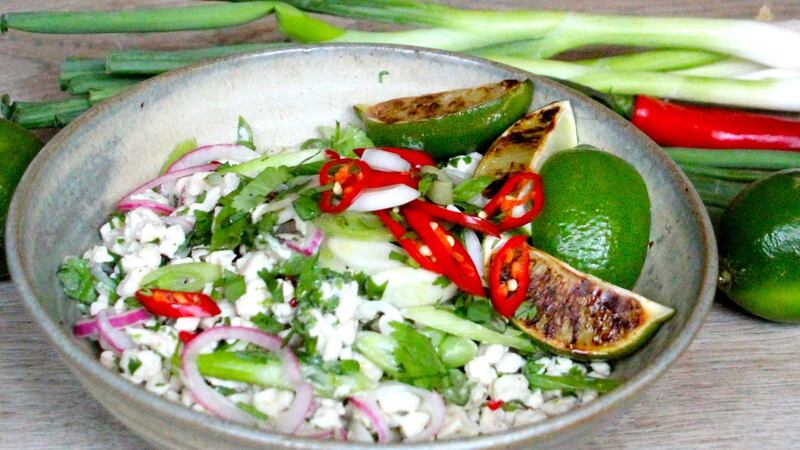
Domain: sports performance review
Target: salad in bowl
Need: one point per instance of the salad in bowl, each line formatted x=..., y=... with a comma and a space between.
x=436, y=273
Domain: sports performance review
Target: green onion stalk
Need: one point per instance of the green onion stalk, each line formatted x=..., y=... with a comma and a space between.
x=474, y=30
x=552, y=32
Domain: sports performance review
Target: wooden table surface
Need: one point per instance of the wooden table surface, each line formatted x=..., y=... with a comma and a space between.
x=738, y=385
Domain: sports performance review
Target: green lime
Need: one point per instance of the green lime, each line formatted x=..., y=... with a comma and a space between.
x=759, y=248
x=17, y=148
x=446, y=124
x=596, y=215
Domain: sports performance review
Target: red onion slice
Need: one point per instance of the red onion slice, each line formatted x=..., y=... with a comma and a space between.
x=387, y=161
x=218, y=404
x=370, y=409
x=166, y=178
x=128, y=204
x=88, y=327
x=308, y=246
x=114, y=338
x=383, y=198
x=210, y=153
x=432, y=402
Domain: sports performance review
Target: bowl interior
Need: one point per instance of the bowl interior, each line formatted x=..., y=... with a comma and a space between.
x=285, y=95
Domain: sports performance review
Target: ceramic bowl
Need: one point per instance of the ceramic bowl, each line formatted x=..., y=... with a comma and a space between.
x=285, y=95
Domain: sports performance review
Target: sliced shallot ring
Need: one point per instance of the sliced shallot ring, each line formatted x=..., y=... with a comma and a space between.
x=163, y=179
x=432, y=401
x=88, y=327
x=367, y=405
x=217, y=404
x=309, y=245
x=211, y=153
x=129, y=204
x=116, y=339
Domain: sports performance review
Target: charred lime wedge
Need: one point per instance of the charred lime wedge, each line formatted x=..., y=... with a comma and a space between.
x=584, y=317
x=530, y=141
x=446, y=124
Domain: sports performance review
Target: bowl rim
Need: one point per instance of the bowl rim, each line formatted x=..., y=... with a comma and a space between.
x=79, y=360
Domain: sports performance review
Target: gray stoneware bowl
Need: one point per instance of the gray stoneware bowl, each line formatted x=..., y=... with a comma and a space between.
x=285, y=94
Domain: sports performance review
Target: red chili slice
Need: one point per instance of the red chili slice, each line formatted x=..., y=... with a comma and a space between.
x=379, y=178
x=331, y=154
x=465, y=220
x=447, y=251
x=509, y=276
x=349, y=178
x=414, y=157
x=186, y=336
x=521, y=189
x=409, y=244
x=175, y=304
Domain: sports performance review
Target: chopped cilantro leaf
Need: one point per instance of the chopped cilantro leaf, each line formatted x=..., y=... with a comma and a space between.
x=307, y=205
x=233, y=286
x=133, y=364
x=244, y=134
x=77, y=280
x=420, y=363
x=256, y=191
x=526, y=311
x=267, y=323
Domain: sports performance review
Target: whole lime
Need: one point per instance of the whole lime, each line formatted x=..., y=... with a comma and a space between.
x=596, y=214
x=17, y=148
x=759, y=248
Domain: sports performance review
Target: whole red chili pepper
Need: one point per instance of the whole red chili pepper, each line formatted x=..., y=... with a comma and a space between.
x=680, y=125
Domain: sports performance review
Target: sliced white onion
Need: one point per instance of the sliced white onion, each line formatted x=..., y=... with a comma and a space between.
x=117, y=340
x=432, y=403
x=473, y=245
x=382, y=160
x=366, y=404
x=209, y=153
x=383, y=198
x=88, y=327
x=217, y=404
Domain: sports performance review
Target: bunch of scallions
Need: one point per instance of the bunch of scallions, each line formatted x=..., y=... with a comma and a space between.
x=738, y=63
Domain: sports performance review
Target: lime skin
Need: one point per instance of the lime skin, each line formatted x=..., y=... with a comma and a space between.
x=17, y=148
x=759, y=248
x=596, y=215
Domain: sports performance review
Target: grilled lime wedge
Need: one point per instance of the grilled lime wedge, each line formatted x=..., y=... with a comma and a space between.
x=584, y=317
x=446, y=124
x=530, y=141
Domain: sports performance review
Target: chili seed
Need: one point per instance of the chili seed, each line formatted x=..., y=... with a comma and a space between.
x=451, y=240
x=424, y=250
x=512, y=285
x=337, y=188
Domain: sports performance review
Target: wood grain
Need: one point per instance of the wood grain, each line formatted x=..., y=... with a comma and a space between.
x=738, y=385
